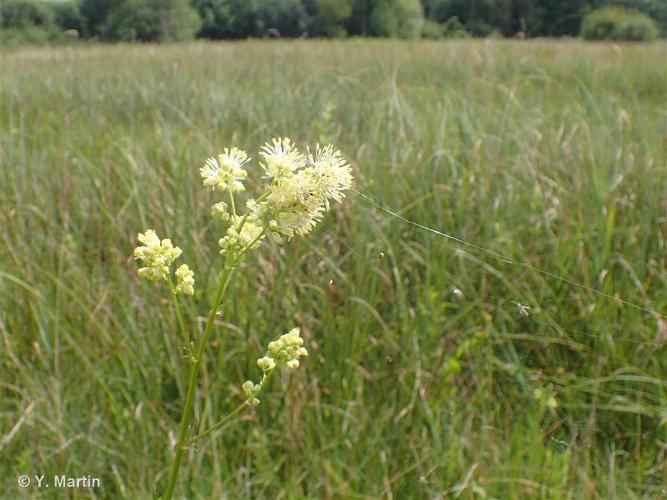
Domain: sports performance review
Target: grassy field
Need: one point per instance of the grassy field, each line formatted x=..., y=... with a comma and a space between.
x=437, y=369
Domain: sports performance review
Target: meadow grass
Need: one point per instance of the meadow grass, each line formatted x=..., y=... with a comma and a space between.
x=435, y=369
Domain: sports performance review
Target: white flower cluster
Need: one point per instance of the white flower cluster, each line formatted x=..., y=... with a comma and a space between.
x=227, y=171
x=299, y=191
x=281, y=158
x=298, y=194
x=185, y=280
x=241, y=235
x=300, y=188
x=284, y=351
x=157, y=257
x=287, y=349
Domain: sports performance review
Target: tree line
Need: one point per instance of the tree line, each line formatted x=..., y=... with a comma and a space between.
x=172, y=20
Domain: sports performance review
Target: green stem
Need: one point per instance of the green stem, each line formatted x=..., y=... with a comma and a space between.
x=192, y=382
x=179, y=314
x=227, y=418
x=245, y=217
x=231, y=201
x=228, y=271
x=251, y=244
x=221, y=422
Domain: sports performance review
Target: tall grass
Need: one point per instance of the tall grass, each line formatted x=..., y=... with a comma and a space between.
x=435, y=369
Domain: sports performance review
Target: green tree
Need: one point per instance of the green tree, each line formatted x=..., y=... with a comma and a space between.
x=26, y=14
x=287, y=17
x=152, y=21
x=617, y=23
x=68, y=16
x=561, y=17
x=95, y=13
x=386, y=18
x=480, y=17
x=527, y=16
x=328, y=17
x=227, y=18
x=656, y=9
x=358, y=21
x=25, y=21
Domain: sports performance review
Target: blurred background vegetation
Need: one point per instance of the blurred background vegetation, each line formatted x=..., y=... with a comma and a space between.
x=435, y=370
x=42, y=21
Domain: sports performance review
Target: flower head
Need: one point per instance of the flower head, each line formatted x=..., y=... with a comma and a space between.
x=299, y=193
x=241, y=235
x=266, y=363
x=227, y=171
x=256, y=210
x=286, y=350
x=221, y=211
x=281, y=158
x=252, y=390
x=156, y=256
x=296, y=204
x=185, y=280
x=332, y=175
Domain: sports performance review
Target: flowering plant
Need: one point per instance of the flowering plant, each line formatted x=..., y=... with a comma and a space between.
x=298, y=192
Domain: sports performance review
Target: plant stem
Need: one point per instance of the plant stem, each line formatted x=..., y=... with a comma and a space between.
x=226, y=418
x=221, y=422
x=179, y=314
x=192, y=382
x=245, y=217
x=231, y=201
x=230, y=266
